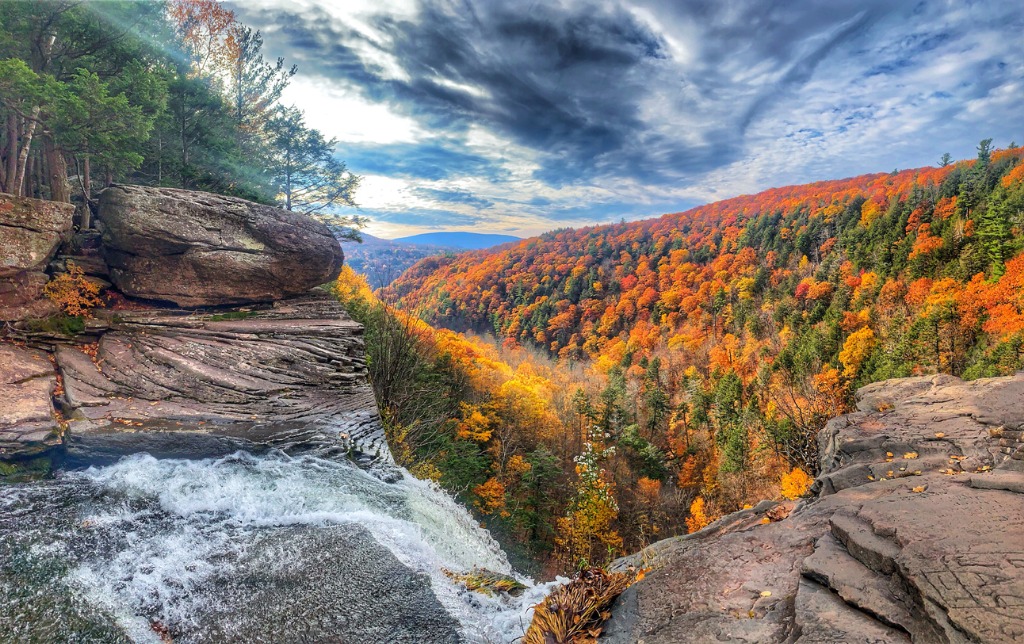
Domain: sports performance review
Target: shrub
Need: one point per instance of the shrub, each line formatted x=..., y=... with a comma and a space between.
x=73, y=293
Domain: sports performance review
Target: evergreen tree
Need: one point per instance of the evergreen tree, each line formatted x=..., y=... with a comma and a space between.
x=308, y=175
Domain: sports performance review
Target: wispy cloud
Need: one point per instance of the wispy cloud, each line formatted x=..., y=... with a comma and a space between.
x=528, y=116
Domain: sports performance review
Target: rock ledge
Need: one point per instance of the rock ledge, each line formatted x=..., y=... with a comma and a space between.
x=915, y=534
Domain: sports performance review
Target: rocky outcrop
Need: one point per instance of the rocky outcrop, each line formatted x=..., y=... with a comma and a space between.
x=200, y=249
x=28, y=421
x=30, y=232
x=290, y=376
x=915, y=534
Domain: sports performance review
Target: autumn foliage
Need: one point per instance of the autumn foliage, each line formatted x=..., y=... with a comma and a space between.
x=665, y=372
x=73, y=293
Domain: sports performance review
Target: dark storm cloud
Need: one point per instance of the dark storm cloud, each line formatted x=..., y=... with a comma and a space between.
x=569, y=80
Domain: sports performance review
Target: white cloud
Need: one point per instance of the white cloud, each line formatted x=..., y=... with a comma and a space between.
x=342, y=112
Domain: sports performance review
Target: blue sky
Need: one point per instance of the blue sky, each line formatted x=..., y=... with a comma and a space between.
x=516, y=117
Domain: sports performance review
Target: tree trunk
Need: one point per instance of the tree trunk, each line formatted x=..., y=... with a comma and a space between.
x=87, y=192
x=30, y=174
x=56, y=172
x=12, y=152
x=19, y=178
x=288, y=181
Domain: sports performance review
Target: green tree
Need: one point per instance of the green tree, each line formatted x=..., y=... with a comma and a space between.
x=308, y=175
x=732, y=432
x=91, y=122
x=256, y=85
x=994, y=231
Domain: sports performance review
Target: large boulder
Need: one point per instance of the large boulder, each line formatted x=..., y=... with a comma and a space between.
x=916, y=534
x=30, y=232
x=200, y=249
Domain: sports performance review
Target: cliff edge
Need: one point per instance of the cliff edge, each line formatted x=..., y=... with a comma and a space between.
x=214, y=338
x=915, y=533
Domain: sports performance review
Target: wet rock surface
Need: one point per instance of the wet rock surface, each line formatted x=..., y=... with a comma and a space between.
x=383, y=600
x=200, y=249
x=89, y=558
x=916, y=533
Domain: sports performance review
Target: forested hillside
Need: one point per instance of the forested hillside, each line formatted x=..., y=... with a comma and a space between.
x=174, y=93
x=725, y=336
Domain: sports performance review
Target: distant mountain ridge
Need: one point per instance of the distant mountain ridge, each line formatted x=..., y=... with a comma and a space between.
x=383, y=260
x=458, y=239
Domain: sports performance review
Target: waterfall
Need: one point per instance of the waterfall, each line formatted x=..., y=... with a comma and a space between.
x=220, y=549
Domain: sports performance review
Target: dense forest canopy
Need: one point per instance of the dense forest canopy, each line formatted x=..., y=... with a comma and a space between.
x=717, y=342
x=172, y=93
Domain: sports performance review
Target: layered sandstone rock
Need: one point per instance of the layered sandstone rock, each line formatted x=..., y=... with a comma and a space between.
x=28, y=423
x=30, y=232
x=200, y=249
x=291, y=376
x=288, y=374
x=916, y=533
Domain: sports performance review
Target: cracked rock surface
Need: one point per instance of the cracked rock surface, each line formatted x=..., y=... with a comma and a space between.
x=27, y=420
x=30, y=231
x=915, y=534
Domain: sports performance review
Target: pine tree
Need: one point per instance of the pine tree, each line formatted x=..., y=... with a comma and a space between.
x=309, y=176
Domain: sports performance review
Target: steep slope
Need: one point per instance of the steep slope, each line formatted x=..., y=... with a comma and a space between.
x=726, y=337
x=802, y=250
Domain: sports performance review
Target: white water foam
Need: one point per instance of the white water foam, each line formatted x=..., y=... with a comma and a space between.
x=211, y=502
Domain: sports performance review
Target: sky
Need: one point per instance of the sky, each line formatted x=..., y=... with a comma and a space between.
x=518, y=117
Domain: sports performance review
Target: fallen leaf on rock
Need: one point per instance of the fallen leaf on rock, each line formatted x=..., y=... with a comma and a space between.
x=910, y=455
x=766, y=593
x=919, y=488
x=939, y=435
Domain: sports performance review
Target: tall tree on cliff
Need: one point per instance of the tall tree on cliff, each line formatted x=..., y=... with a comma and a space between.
x=309, y=176
x=255, y=85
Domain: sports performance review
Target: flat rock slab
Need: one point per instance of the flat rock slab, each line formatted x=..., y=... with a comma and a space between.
x=364, y=594
x=27, y=420
x=916, y=534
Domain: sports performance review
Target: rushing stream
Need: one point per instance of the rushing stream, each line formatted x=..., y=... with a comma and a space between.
x=244, y=548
